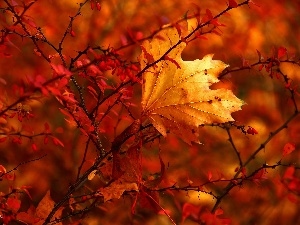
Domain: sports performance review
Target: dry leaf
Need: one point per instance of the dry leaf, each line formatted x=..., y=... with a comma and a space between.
x=128, y=174
x=116, y=189
x=45, y=207
x=176, y=95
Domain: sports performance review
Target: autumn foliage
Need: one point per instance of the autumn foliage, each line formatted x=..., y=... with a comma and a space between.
x=149, y=112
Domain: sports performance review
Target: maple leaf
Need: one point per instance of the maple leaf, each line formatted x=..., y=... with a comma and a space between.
x=116, y=189
x=127, y=174
x=45, y=207
x=176, y=96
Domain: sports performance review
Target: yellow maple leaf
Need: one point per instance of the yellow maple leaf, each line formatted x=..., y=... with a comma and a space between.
x=176, y=94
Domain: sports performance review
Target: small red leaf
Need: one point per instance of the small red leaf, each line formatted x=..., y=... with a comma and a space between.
x=252, y=131
x=20, y=117
x=3, y=139
x=261, y=67
x=10, y=176
x=2, y=170
x=34, y=148
x=281, y=52
x=61, y=70
x=46, y=140
x=13, y=204
x=216, y=23
x=209, y=14
x=149, y=200
x=219, y=212
x=232, y=4
x=289, y=173
x=288, y=148
x=191, y=210
x=56, y=141
x=92, y=5
x=209, y=175
x=98, y=6
x=200, y=36
x=17, y=140
x=12, y=115
x=72, y=32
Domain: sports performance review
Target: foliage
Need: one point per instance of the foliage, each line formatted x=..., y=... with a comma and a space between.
x=108, y=115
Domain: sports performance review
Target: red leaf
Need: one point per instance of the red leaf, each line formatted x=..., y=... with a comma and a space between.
x=261, y=174
x=289, y=173
x=17, y=140
x=281, y=52
x=46, y=140
x=288, y=148
x=252, y=131
x=134, y=205
x=72, y=32
x=155, y=182
x=12, y=115
x=3, y=139
x=56, y=141
x=92, y=91
x=209, y=14
x=117, y=171
x=200, y=36
x=20, y=117
x=217, y=23
x=10, y=176
x=139, y=35
x=13, y=204
x=2, y=170
x=209, y=175
x=189, y=209
x=98, y=6
x=149, y=200
x=232, y=4
x=219, y=212
x=34, y=148
x=63, y=82
x=60, y=70
x=92, y=5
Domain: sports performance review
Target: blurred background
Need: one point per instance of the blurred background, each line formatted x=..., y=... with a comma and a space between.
x=262, y=26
